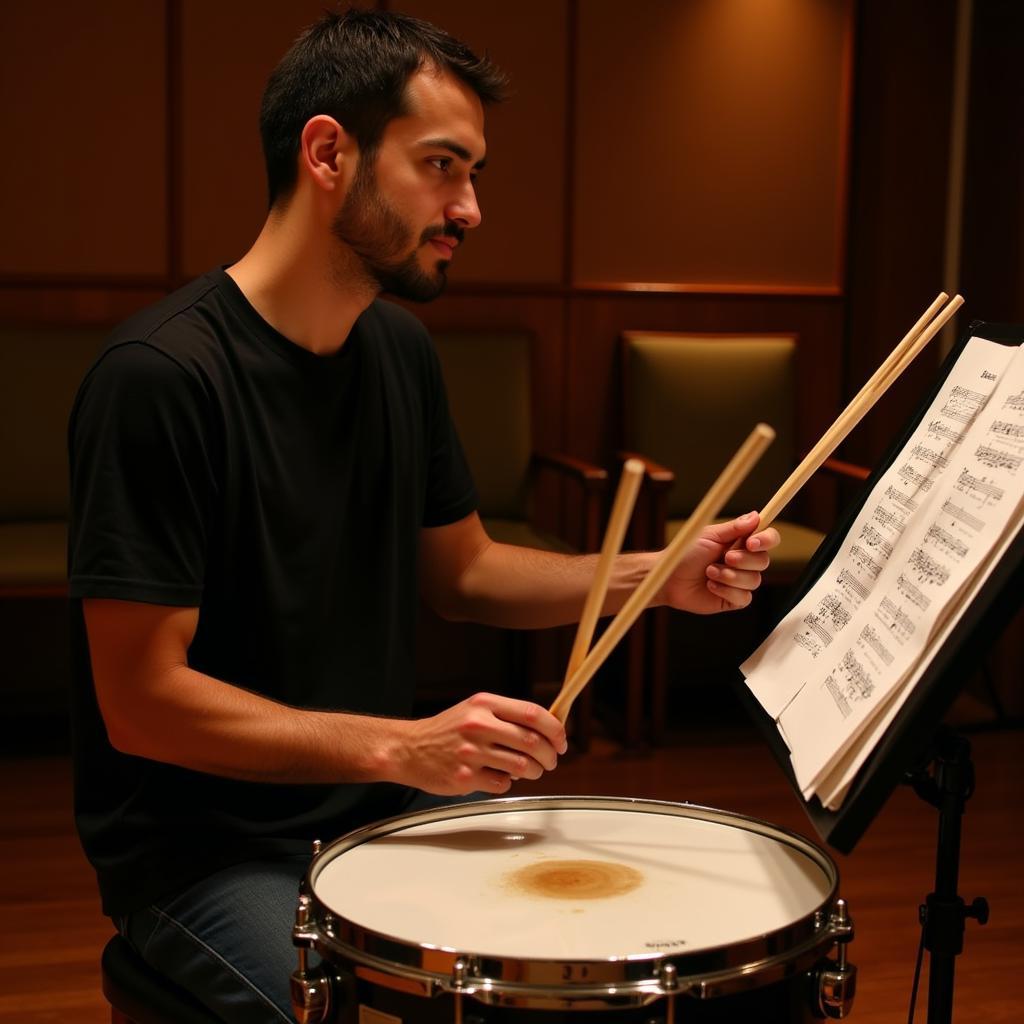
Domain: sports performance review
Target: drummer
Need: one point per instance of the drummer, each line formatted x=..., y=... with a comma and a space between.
x=264, y=476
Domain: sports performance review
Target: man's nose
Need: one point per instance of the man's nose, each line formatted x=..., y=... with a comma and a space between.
x=464, y=209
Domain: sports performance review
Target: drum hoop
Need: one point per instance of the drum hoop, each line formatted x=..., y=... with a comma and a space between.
x=635, y=979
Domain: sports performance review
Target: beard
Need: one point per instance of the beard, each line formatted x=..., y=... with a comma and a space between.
x=384, y=243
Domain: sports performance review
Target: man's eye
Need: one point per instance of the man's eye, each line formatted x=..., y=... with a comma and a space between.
x=442, y=163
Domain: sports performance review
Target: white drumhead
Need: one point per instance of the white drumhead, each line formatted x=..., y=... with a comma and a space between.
x=577, y=884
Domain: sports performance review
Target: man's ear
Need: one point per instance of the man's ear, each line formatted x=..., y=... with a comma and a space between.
x=327, y=153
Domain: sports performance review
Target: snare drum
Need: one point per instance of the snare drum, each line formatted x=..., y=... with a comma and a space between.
x=534, y=909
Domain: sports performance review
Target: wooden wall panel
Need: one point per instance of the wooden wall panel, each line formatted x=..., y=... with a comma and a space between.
x=521, y=239
x=228, y=50
x=83, y=178
x=710, y=142
x=898, y=200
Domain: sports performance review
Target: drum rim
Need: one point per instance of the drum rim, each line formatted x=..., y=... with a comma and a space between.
x=634, y=978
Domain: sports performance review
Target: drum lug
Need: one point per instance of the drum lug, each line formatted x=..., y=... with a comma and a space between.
x=668, y=977
x=311, y=994
x=464, y=971
x=836, y=981
x=310, y=989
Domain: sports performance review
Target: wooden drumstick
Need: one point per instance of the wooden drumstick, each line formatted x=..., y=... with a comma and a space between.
x=615, y=532
x=899, y=359
x=721, y=490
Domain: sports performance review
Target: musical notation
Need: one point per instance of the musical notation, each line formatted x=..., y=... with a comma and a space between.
x=911, y=476
x=929, y=455
x=887, y=520
x=961, y=514
x=842, y=704
x=928, y=569
x=944, y=432
x=862, y=558
x=996, y=459
x=850, y=583
x=1015, y=402
x=918, y=598
x=897, y=622
x=944, y=540
x=904, y=501
x=857, y=684
x=873, y=539
x=1011, y=430
x=869, y=635
x=821, y=625
x=979, y=487
x=963, y=404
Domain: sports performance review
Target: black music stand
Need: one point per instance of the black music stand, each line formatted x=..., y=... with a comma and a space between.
x=916, y=739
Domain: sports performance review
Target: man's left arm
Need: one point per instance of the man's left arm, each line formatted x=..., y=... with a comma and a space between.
x=467, y=576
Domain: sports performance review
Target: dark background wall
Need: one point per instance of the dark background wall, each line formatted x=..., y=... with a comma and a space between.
x=669, y=164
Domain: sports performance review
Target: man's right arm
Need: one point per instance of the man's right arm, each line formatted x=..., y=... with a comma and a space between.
x=155, y=706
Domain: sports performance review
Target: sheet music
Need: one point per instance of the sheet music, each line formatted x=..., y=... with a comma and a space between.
x=836, y=662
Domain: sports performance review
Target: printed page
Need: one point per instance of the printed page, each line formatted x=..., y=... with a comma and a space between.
x=833, y=789
x=794, y=651
x=838, y=659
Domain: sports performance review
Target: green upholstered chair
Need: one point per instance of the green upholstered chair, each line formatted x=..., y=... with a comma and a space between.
x=689, y=401
x=488, y=377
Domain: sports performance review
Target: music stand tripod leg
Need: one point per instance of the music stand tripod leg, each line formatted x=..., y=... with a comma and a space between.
x=944, y=913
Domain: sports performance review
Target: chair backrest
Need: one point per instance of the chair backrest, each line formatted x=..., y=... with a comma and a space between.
x=487, y=374
x=690, y=399
x=40, y=371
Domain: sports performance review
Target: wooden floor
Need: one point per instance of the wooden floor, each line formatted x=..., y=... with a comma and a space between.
x=51, y=931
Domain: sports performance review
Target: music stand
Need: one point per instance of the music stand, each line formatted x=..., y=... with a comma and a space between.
x=915, y=739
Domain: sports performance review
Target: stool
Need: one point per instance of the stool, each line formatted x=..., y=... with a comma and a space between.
x=138, y=995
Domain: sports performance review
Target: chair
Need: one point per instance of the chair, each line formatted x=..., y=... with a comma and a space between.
x=688, y=402
x=139, y=995
x=488, y=378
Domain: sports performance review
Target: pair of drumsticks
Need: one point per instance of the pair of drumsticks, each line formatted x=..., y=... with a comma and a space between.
x=584, y=661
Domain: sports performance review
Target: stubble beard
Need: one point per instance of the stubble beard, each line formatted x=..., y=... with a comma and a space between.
x=378, y=237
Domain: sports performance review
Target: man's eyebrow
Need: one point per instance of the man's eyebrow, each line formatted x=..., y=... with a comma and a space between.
x=457, y=148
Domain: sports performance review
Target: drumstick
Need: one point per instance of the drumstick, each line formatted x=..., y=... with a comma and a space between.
x=899, y=359
x=615, y=532
x=720, y=492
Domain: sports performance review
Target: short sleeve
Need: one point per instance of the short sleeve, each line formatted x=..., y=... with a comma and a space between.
x=142, y=480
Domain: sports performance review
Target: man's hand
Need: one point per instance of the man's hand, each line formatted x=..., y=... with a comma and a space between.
x=722, y=569
x=482, y=744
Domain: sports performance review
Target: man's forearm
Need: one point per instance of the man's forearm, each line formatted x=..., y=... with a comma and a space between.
x=523, y=588
x=198, y=722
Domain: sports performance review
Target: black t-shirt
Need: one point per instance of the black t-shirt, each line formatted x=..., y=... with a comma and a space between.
x=215, y=464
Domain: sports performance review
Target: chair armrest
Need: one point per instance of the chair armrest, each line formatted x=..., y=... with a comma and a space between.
x=593, y=481
x=850, y=470
x=647, y=531
x=591, y=477
x=658, y=476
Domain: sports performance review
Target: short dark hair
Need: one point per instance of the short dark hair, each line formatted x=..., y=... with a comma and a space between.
x=354, y=66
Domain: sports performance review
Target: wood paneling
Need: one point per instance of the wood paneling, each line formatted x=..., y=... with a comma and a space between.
x=710, y=142
x=228, y=50
x=83, y=178
x=521, y=238
x=993, y=242
x=898, y=200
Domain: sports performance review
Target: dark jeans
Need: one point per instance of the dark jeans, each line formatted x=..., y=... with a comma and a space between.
x=227, y=939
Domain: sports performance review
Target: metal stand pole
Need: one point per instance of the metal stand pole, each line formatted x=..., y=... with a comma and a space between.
x=943, y=914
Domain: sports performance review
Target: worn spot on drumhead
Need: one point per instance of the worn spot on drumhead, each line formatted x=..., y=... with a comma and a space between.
x=575, y=879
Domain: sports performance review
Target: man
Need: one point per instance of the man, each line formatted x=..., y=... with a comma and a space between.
x=263, y=473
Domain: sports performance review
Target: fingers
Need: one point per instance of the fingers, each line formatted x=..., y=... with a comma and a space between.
x=485, y=743
x=741, y=529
